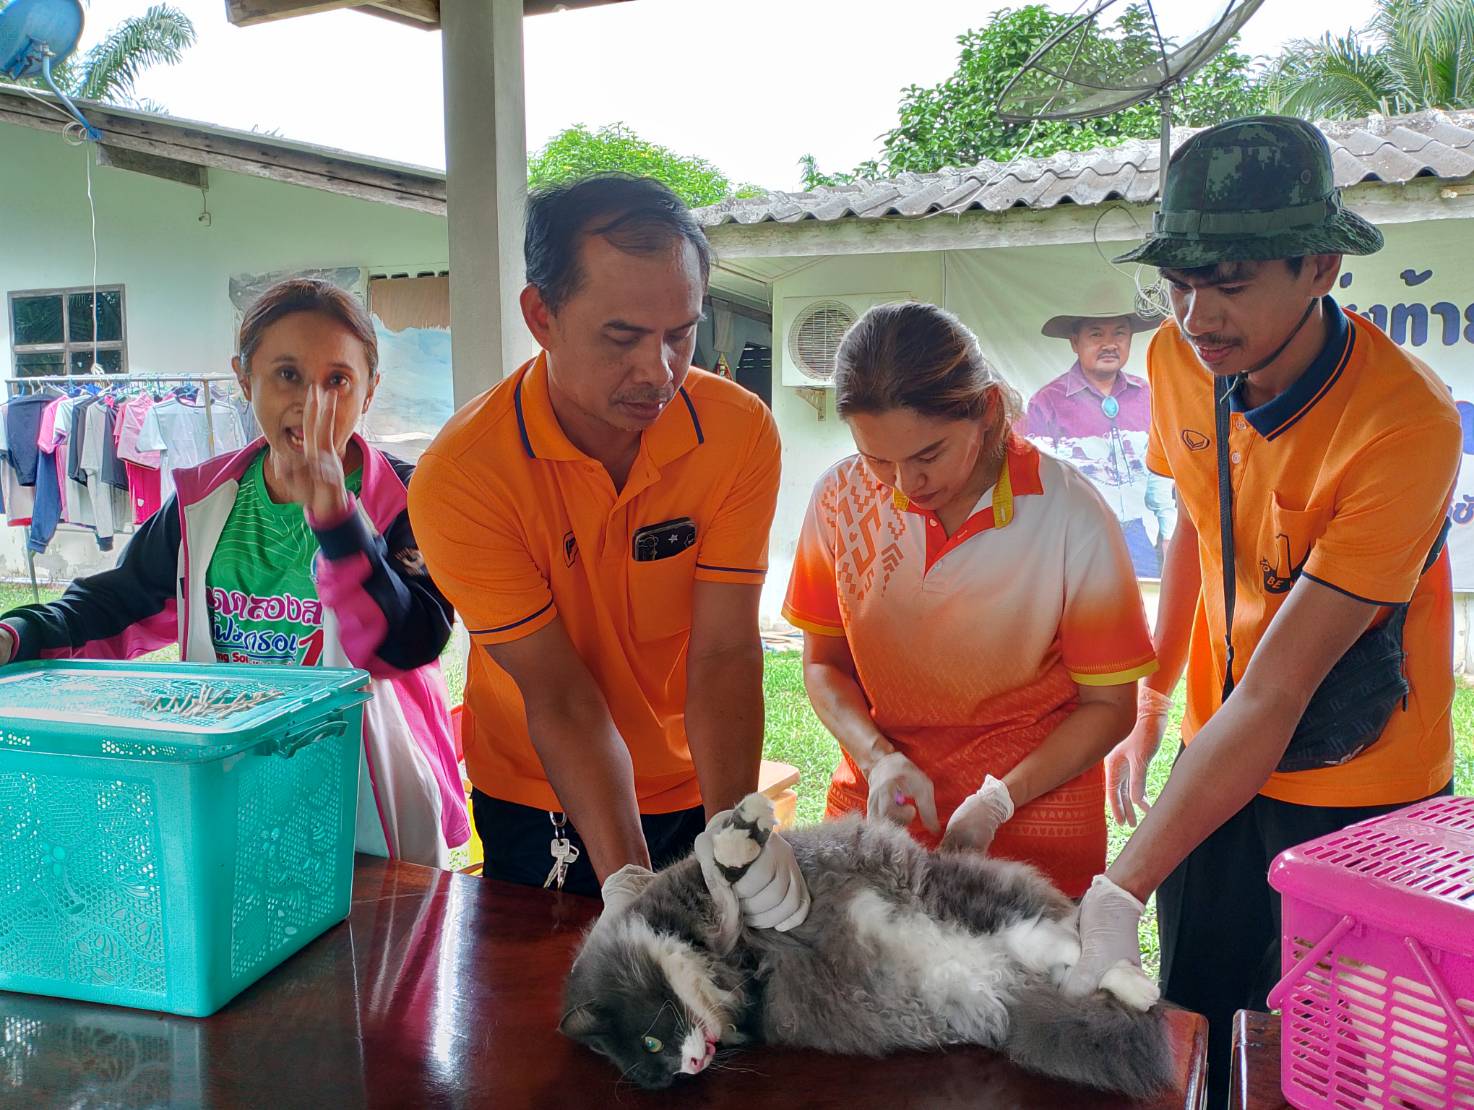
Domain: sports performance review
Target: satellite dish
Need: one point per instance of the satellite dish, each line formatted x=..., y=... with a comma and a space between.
x=34, y=36
x=1082, y=72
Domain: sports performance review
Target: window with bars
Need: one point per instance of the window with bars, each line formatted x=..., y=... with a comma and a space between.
x=51, y=331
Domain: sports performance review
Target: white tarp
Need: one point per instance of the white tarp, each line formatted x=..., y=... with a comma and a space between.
x=1415, y=289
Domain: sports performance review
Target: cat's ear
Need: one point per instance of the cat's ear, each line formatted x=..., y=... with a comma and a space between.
x=581, y=1022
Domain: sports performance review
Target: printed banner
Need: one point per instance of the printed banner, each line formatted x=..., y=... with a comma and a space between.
x=1084, y=384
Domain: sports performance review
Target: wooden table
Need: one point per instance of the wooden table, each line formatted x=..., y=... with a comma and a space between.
x=443, y=990
x=1256, y=1063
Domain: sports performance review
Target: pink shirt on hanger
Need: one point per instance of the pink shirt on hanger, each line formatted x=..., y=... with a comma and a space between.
x=129, y=423
x=46, y=440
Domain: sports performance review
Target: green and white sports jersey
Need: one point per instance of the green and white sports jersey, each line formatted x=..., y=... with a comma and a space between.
x=260, y=584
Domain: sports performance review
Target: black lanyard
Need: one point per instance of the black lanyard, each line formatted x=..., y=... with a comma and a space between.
x=1222, y=390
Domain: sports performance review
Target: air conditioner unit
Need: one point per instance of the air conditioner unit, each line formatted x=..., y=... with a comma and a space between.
x=813, y=328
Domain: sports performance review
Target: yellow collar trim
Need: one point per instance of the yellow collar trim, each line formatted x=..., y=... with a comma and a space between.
x=1002, y=498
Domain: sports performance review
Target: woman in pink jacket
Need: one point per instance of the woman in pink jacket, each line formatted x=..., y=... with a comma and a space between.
x=296, y=550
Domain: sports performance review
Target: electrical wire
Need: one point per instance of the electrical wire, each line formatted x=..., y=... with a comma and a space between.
x=1150, y=300
x=41, y=100
x=92, y=213
x=75, y=134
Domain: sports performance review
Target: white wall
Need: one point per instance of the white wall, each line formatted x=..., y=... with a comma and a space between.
x=811, y=445
x=175, y=269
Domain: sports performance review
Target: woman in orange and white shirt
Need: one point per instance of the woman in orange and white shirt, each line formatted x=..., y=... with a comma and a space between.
x=973, y=628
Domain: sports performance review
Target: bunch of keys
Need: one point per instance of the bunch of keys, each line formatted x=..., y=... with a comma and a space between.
x=564, y=853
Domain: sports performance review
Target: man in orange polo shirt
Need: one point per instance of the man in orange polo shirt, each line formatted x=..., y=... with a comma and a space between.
x=600, y=520
x=1315, y=459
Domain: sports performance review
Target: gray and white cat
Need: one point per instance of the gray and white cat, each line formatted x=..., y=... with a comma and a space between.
x=902, y=949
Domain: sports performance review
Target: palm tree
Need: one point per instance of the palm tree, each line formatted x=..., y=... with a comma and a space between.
x=1413, y=55
x=110, y=70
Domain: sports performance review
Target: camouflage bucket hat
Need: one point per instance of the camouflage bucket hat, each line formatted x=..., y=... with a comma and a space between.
x=1249, y=190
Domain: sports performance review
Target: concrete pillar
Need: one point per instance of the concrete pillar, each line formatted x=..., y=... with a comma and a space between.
x=486, y=189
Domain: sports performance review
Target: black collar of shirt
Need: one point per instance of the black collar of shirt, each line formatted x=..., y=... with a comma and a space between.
x=1279, y=414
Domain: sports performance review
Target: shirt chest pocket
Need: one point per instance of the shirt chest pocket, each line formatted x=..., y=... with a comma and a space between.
x=1291, y=536
x=660, y=595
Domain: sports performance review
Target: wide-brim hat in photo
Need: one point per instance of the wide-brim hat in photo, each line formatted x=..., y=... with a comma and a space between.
x=1103, y=302
x=1250, y=190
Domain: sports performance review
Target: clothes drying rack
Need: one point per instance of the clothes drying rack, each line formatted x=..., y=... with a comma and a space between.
x=205, y=381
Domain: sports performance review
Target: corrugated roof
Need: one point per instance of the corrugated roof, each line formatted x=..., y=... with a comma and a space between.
x=246, y=152
x=1393, y=149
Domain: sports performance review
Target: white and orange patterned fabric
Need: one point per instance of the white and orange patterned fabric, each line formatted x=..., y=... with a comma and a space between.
x=970, y=648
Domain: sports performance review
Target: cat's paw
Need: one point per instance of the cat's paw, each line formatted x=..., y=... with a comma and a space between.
x=1046, y=946
x=1130, y=986
x=735, y=846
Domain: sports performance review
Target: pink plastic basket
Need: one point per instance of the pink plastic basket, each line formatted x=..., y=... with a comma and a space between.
x=1378, y=962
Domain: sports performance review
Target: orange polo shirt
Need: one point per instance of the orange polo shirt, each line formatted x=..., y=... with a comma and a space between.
x=518, y=527
x=1345, y=478
x=970, y=648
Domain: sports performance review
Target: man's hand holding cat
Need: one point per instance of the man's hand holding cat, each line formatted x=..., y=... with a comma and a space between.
x=1109, y=917
x=771, y=892
x=623, y=887
x=899, y=790
x=975, y=822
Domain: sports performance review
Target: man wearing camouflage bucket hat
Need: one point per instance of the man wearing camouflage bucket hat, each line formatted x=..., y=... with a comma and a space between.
x=1315, y=460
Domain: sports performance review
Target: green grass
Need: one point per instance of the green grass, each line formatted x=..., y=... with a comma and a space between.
x=794, y=735
x=13, y=594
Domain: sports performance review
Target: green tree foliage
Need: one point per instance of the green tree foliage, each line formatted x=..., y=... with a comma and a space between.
x=578, y=152
x=814, y=177
x=109, y=71
x=1413, y=55
x=956, y=123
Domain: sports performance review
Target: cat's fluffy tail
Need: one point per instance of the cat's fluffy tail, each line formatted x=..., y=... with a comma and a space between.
x=1094, y=1041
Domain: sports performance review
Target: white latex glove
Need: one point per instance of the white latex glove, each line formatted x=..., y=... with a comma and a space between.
x=899, y=790
x=771, y=894
x=623, y=887
x=1126, y=766
x=1110, y=953
x=974, y=823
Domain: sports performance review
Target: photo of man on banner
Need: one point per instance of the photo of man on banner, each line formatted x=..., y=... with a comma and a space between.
x=1095, y=416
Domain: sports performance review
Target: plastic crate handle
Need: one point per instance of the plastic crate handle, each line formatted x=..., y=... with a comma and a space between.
x=293, y=742
x=1445, y=996
x=1309, y=960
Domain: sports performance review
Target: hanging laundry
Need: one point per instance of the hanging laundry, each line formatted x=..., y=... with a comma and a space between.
x=186, y=436
x=79, y=436
x=114, y=473
x=129, y=423
x=111, y=509
x=23, y=427
x=49, y=508
x=98, y=455
x=76, y=504
x=16, y=500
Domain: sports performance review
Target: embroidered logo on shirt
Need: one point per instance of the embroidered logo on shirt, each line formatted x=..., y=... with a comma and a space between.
x=1196, y=441
x=1280, y=576
x=570, y=549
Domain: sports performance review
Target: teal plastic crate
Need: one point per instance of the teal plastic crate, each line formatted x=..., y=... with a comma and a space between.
x=171, y=832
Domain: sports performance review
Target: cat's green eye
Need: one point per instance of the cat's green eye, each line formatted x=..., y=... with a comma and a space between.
x=653, y=1045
